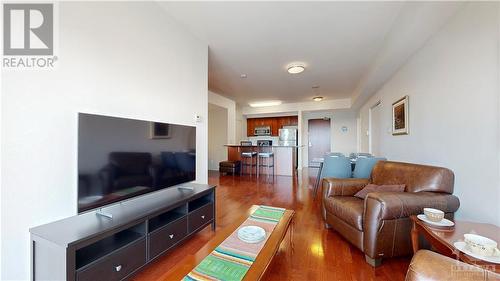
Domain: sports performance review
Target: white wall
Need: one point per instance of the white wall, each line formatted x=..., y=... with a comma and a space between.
x=217, y=136
x=241, y=125
x=230, y=106
x=453, y=87
x=124, y=59
x=345, y=142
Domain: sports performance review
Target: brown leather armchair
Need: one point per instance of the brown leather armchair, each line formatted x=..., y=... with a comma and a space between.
x=430, y=266
x=379, y=225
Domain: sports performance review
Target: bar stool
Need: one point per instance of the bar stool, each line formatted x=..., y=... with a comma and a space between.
x=248, y=157
x=266, y=155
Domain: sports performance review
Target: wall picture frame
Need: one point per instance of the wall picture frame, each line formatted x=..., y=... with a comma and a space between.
x=400, y=114
x=160, y=130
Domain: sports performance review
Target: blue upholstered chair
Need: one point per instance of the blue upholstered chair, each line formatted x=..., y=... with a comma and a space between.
x=335, y=154
x=364, y=166
x=336, y=167
x=364, y=155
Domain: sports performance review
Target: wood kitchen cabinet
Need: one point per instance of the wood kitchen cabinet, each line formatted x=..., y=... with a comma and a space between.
x=274, y=126
x=275, y=123
x=250, y=127
x=260, y=122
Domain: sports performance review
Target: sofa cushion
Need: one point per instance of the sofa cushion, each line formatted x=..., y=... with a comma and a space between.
x=348, y=208
x=379, y=188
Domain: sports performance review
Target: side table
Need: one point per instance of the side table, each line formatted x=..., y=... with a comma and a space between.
x=442, y=239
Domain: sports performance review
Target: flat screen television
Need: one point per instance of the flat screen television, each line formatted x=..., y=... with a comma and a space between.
x=121, y=158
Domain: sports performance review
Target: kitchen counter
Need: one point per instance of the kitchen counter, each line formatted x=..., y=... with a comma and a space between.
x=285, y=157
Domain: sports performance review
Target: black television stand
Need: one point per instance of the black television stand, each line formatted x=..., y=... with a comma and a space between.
x=93, y=247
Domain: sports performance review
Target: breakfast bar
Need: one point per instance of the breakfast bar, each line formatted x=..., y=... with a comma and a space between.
x=285, y=157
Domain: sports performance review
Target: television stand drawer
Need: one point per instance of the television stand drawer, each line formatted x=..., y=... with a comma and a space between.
x=166, y=237
x=200, y=217
x=116, y=265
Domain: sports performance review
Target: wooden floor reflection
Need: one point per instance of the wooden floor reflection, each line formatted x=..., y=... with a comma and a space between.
x=316, y=254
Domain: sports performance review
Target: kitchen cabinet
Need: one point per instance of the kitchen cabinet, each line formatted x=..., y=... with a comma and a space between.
x=290, y=121
x=250, y=127
x=274, y=126
x=287, y=121
x=275, y=123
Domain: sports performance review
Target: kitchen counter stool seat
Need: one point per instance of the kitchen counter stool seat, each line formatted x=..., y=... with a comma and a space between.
x=248, y=159
x=265, y=160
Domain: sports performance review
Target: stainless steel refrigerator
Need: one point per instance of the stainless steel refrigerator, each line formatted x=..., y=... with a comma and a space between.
x=287, y=137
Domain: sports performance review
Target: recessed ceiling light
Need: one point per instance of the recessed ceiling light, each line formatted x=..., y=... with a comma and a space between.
x=317, y=98
x=296, y=68
x=243, y=76
x=265, y=103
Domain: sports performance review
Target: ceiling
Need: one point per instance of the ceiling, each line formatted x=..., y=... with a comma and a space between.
x=339, y=42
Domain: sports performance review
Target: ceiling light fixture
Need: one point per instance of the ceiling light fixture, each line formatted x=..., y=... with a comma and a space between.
x=296, y=68
x=317, y=98
x=265, y=103
x=243, y=76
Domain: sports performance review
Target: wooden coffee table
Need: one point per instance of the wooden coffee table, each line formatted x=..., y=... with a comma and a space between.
x=442, y=239
x=261, y=263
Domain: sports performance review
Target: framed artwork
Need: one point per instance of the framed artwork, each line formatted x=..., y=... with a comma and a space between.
x=159, y=130
x=400, y=115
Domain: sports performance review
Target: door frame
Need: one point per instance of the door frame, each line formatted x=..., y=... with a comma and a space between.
x=329, y=119
x=370, y=126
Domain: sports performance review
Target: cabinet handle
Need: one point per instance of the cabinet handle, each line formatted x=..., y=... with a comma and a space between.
x=118, y=268
x=203, y=217
x=171, y=236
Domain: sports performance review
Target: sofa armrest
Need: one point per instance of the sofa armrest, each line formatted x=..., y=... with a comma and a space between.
x=342, y=187
x=427, y=265
x=393, y=205
x=386, y=227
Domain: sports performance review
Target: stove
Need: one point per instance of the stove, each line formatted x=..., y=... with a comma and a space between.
x=264, y=143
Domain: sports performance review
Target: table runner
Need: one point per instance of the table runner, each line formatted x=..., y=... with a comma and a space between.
x=231, y=260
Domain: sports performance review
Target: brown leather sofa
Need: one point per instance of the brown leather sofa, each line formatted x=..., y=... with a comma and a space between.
x=379, y=225
x=430, y=266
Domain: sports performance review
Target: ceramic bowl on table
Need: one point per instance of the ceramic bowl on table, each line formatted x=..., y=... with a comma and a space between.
x=481, y=245
x=434, y=215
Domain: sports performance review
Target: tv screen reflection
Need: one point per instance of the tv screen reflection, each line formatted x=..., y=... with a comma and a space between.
x=120, y=158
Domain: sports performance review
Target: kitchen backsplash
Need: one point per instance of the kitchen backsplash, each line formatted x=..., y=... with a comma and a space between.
x=254, y=139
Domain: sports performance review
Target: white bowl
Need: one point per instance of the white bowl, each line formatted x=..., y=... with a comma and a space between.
x=481, y=245
x=251, y=234
x=434, y=215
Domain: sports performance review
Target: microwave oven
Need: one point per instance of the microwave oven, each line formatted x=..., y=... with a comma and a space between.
x=262, y=131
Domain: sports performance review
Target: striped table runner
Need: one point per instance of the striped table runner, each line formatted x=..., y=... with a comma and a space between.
x=233, y=257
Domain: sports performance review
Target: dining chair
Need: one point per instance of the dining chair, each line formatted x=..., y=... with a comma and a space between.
x=336, y=167
x=363, y=155
x=364, y=166
x=335, y=154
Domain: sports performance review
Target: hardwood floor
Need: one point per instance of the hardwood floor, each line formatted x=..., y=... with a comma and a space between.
x=316, y=253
